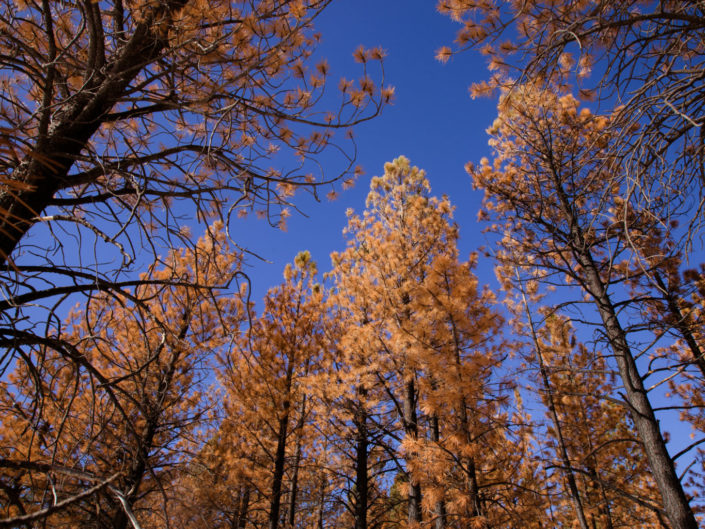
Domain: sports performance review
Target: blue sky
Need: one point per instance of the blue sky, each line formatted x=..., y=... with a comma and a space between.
x=433, y=122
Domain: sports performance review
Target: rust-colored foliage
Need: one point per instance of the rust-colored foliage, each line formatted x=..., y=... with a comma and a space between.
x=123, y=124
x=425, y=330
x=121, y=405
x=265, y=447
x=563, y=220
x=137, y=103
x=640, y=60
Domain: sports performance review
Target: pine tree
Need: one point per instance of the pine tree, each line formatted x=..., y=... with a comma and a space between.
x=427, y=328
x=266, y=434
x=559, y=220
x=120, y=408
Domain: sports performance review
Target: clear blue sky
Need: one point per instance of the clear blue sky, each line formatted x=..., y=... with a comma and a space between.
x=433, y=122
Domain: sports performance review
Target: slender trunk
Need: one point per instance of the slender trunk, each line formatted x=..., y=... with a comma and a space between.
x=278, y=476
x=675, y=502
x=562, y=449
x=243, y=504
x=604, y=504
x=361, y=464
x=439, y=509
x=473, y=487
x=244, y=509
x=411, y=429
x=280, y=454
x=297, y=462
x=592, y=467
x=321, y=503
x=468, y=463
x=294, y=486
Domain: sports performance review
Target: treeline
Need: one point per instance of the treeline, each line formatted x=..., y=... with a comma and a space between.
x=392, y=392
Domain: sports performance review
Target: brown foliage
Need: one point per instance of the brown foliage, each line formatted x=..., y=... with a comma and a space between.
x=427, y=334
x=641, y=61
x=125, y=123
x=563, y=220
x=122, y=402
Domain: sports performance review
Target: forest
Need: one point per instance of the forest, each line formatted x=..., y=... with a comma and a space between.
x=143, y=384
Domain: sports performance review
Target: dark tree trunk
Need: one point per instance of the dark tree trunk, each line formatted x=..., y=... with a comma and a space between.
x=278, y=476
x=361, y=463
x=243, y=506
x=291, y=510
x=439, y=513
x=468, y=463
x=321, y=503
x=562, y=448
x=411, y=429
x=45, y=170
x=280, y=454
x=675, y=502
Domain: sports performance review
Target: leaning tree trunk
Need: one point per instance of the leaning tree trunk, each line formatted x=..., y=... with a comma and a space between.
x=562, y=448
x=675, y=502
x=469, y=467
x=45, y=170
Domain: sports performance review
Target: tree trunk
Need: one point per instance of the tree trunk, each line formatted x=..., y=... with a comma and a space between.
x=675, y=502
x=468, y=463
x=291, y=510
x=411, y=429
x=361, y=463
x=243, y=504
x=278, y=476
x=280, y=454
x=321, y=503
x=439, y=510
x=562, y=449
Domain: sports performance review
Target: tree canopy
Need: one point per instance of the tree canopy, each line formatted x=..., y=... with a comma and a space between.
x=142, y=385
